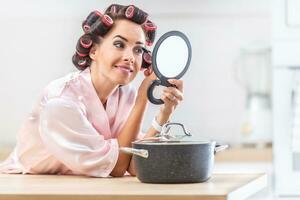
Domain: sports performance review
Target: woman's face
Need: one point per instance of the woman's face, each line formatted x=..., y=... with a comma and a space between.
x=118, y=57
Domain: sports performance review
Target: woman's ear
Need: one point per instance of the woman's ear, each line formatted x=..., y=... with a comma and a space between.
x=92, y=53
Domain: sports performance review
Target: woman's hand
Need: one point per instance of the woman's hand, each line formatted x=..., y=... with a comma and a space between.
x=172, y=96
x=149, y=74
x=149, y=78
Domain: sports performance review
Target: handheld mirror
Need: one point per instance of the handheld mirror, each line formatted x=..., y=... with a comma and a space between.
x=171, y=58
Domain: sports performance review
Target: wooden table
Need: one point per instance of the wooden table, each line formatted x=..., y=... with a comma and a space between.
x=56, y=187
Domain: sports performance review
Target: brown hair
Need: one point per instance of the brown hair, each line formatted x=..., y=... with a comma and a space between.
x=97, y=25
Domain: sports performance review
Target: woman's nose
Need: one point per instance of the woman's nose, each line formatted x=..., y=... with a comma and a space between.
x=128, y=57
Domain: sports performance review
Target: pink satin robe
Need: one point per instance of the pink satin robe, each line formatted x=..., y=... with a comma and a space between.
x=69, y=131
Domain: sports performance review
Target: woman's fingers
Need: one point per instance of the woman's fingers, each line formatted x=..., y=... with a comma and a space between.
x=170, y=100
x=172, y=93
x=171, y=96
x=149, y=73
x=177, y=83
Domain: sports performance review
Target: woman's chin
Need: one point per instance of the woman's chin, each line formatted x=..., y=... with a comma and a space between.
x=123, y=81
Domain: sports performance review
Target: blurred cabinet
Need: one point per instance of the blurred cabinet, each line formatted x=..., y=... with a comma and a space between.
x=286, y=33
x=286, y=78
x=292, y=13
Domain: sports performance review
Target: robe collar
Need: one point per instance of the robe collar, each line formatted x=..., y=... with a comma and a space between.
x=103, y=119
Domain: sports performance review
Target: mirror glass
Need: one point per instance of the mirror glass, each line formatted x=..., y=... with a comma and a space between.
x=172, y=56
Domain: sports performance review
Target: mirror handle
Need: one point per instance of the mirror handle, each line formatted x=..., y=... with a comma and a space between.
x=151, y=98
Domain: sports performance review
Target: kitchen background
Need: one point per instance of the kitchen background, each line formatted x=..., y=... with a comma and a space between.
x=232, y=42
x=38, y=39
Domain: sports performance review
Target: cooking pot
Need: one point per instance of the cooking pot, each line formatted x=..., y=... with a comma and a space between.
x=173, y=159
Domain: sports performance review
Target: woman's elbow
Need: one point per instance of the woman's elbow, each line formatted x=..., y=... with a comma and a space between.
x=132, y=172
x=118, y=172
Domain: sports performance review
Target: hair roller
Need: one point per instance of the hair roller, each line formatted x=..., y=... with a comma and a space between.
x=102, y=26
x=129, y=12
x=107, y=20
x=86, y=41
x=149, y=26
x=90, y=20
x=150, y=30
x=146, y=59
x=114, y=9
x=83, y=45
x=135, y=14
x=97, y=25
x=80, y=62
x=150, y=36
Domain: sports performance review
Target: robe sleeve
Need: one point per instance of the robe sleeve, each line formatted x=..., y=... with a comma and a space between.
x=72, y=139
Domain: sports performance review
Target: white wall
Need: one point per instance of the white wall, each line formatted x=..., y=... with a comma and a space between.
x=38, y=39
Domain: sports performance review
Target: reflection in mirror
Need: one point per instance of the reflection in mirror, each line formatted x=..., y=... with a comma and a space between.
x=172, y=56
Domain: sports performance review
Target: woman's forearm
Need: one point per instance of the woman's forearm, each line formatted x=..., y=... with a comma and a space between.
x=161, y=119
x=171, y=98
x=131, y=169
x=132, y=128
x=128, y=134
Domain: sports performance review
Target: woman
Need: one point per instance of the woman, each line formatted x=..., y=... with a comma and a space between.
x=82, y=119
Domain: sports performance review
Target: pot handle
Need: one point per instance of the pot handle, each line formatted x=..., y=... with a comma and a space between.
x=139, y=152
x=166, y=127
x=220, y=147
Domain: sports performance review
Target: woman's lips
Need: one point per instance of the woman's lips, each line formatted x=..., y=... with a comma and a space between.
x=124, y=69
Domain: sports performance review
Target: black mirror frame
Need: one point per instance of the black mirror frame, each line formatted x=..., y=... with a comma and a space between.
x=163, y=80
x=155, y=50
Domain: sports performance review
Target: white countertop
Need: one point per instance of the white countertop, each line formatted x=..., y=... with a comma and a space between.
x=250, y=167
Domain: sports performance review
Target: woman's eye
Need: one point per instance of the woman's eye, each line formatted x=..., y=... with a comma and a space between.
x=118, y=44
x=139, y=50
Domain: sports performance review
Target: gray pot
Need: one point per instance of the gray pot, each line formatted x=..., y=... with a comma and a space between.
x=171, y=160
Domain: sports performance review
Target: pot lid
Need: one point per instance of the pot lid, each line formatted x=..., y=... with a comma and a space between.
x=171, y=142
x=167, y=138
x=173, y=139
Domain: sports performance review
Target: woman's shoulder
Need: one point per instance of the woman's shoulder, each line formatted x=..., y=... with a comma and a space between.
x=56, y=87
x=57, y=94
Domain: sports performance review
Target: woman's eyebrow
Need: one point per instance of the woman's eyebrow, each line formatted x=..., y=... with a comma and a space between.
x=123, y=38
